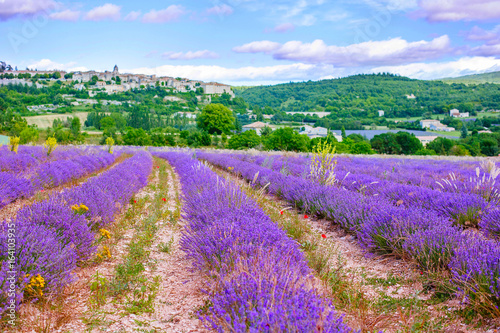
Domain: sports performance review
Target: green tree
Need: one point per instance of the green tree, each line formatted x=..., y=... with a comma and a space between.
x=441, y=145
x=56, y=75
x=286, y=139
x=463, y=132
x=425, y=152
x=266, y=131
x=75, y=127
x=136, y=137
x=408, y=142
x=247, y=139
x=107, y=122
x=344, y=135
x=216, y=118
x=459, y=150
x=386, y=143
x=29, y=134
x=361, y=147
x=489, y=146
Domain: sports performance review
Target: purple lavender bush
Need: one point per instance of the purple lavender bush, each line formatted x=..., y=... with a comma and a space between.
x=259, y=277
x=433, y=241
x=50, y=238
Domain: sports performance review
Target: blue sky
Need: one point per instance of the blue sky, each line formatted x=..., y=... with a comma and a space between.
x=250, y=42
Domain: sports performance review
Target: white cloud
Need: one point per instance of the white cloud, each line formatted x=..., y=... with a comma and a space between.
x=12, y=8
x=104, y=12
x=264, y=46
x=132, y=16
x=171, y=13
x=245, y=75
x=285, y=27
x=222, y=10
x=477, y=33
x=462, y=66
x=190, y=55
x=65, y=15
x=458, y=10
x=47, y=64
x=392, y=51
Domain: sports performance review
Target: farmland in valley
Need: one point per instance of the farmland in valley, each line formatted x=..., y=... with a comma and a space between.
x=126, y=238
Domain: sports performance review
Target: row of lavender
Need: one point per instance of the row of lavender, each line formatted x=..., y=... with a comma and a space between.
x=72, y=164
x=28, y=158
x=46, y=241
x=259, y=277
x=415, y=233
x=446, y=176
x=464, y=208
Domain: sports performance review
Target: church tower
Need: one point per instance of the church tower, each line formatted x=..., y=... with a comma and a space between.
x=115, y=70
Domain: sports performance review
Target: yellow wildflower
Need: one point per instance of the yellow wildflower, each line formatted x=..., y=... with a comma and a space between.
x=105, y=233
x=83, y=207
x=106, y=252
x=36, y=285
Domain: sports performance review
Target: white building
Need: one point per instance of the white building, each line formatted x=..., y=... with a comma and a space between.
x=428, y=122
x=213, y=88
x=441, y=127
x=257, y=127
x=318, y=132
x=381, y=113
x=425, y=139
x=455, y=113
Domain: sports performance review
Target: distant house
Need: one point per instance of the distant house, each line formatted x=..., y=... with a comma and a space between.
x=318, y=132
x=411, y=96
x=425, y=139
x=381, y=113
x=455, y=113
x=441, y=127
x=188, y=115
x=257, y=127
x=435, y=125
x=428, y=122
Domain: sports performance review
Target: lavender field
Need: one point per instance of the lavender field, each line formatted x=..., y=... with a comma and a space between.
x=192, y=240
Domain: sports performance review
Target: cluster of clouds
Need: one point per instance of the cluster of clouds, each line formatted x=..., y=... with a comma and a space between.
x=25, y=8
x=392, y=51
x=424, y=59
x=303, y=12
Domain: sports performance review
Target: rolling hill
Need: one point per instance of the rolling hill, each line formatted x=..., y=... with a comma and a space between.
x=363, y=95
x=492, y=77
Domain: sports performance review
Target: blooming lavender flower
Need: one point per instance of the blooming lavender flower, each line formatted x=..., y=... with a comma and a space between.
x=261, y=279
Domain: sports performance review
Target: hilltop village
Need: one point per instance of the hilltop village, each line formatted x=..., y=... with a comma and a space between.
x=111, y=82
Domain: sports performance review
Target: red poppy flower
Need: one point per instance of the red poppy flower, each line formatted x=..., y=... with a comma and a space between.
x=135, y=201
x=305, y=216
x=41, y=190
x=323, y=235
x=281, y=212
x=164, y=199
